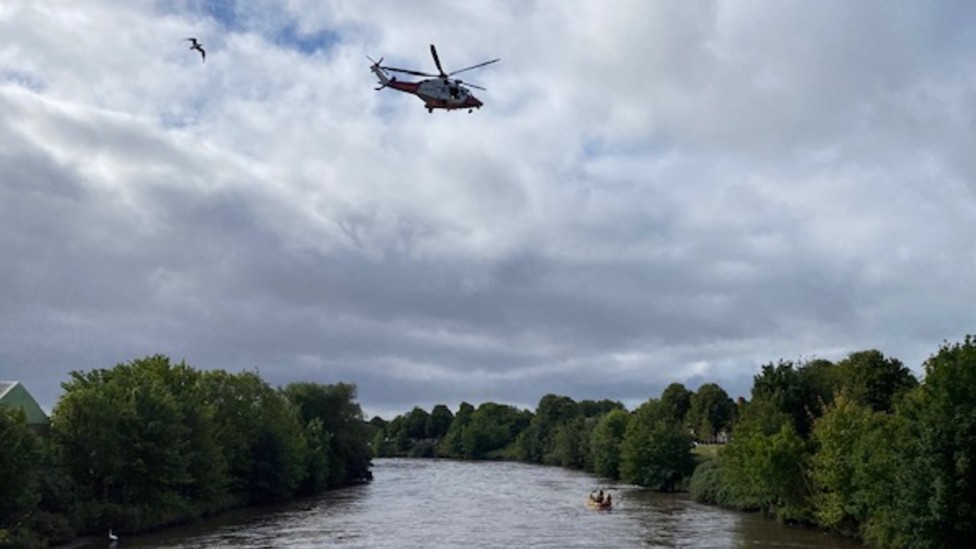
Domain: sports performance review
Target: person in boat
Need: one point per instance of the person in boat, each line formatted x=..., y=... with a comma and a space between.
x=607, y=502
x=598, y=498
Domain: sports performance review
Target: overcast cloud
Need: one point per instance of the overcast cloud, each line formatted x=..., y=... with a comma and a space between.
x=653, y=192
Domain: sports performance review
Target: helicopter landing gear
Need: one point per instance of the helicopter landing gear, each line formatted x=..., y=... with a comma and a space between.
x=470, y=111
x=430, y=110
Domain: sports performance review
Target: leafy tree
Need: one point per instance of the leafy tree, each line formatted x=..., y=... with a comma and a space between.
x=799, y=392
x=336, y=407
x=126, y=434
x=656, y=449
x=481, y=436
x=605, y=442
x=859, y=472
x=869, y=378
x=318, y=456
x=452, y=444
x=568, y=445
x=939, y=503
x=553, y=410
x=766, y=464
x=438, y=422
x=416, y=423
x=711, y=411
x=20, y=452
x=837, y=499
x=676, y=399
x=597, y=408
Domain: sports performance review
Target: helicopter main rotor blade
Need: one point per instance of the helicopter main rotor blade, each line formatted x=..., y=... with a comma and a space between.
x=475, y=66
x=470, y=85
x=437, y=61
x=408, y=71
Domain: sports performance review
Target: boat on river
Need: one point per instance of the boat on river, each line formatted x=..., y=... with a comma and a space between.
x=604, y=505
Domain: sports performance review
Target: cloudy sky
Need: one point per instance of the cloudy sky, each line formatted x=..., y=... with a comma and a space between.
x=653, y=192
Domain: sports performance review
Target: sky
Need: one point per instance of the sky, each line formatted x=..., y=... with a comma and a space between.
x=653, y=192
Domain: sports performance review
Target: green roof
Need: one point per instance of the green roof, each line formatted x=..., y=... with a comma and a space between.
x=14, y=395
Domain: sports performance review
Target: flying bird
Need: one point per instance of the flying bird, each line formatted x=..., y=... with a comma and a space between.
x=199, y=47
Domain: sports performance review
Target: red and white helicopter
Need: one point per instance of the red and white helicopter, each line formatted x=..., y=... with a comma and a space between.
x=438, y=92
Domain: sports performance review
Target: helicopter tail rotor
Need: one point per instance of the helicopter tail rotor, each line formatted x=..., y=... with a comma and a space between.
x=380, y=73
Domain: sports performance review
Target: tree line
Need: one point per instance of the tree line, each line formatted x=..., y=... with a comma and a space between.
x=858, y=446
x=151, y=443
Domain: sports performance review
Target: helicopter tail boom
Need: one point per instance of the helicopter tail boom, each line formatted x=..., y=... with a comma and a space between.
x=382, y=75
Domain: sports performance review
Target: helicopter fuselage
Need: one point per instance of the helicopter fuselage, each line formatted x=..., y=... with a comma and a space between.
x=438, y=93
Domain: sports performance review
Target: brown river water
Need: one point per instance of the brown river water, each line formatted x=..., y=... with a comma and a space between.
x=440, y=503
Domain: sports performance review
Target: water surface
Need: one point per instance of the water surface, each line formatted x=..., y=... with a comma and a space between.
x=440, y=503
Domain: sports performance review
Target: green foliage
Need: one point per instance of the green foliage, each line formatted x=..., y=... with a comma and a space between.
x=336, y=407
x=20, y=452
x=766, y=464
x=676, y=399
x=800, y=392
x=834, y=467
x=597, y=408
x=452, y=444
x=126, y=432
x=656, y=449
x=319, y=456
x=569, y=445
x=150, y=443
x=942, y=415
x=416, y=423
x=860, y=458
x=867, y=377
x=605, y=440
x=438, y=422
x=710, y=412
x=536, y=443
x=710, y=484
x=491, y=428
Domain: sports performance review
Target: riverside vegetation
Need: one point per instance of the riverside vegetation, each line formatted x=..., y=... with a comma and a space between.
x=859, y=446
x=150, y=443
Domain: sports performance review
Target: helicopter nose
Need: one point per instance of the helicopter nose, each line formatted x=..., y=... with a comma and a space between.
x=477, y=102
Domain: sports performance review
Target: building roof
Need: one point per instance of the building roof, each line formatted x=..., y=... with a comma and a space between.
x=15, y=395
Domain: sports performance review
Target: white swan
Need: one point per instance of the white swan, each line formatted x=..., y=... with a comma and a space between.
x=112, y=536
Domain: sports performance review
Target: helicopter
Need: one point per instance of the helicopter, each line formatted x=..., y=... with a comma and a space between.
x=440, y=91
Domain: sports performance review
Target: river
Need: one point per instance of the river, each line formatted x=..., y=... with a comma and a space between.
x=457, y=504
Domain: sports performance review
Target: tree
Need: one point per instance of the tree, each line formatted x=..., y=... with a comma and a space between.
x=869, y=378
x=553, y=410
x=940, y=498
x=711, y=411
x=452, y=444
x=676, y=399
x=656, y=449
x=417, y=423
x=569, y=442
x=19, y=457
x=837, y=498
x=766, y=464
x=605, y=442
x=438, y=422
x=800, y=392
x=336, y=407
x=597, y=408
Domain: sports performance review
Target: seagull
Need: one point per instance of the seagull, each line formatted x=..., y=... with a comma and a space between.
x=199, y=47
